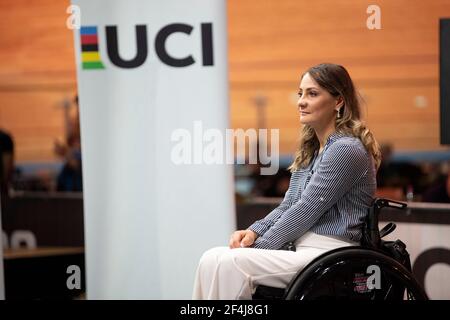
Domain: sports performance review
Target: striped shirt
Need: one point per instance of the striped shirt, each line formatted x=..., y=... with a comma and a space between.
x=330, y=196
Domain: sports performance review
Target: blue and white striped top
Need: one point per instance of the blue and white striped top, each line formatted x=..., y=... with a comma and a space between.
x=330, y=196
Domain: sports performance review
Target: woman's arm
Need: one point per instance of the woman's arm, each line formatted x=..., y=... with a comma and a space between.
x=261, y=226
x=343, y=164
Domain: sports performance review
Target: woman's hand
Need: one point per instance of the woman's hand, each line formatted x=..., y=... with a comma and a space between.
x=242, y=239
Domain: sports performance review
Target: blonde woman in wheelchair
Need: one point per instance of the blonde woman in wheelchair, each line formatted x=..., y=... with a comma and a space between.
x=332, y=185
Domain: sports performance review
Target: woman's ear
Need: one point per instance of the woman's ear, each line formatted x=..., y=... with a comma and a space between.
x=339, y=103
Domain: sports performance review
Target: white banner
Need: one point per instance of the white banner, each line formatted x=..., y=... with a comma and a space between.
x=145, y=69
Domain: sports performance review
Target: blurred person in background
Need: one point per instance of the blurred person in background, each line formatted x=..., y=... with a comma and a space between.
x=7, y=161
x=6, y=167
x=398, y=180
x=439, y=191
x=70, y=178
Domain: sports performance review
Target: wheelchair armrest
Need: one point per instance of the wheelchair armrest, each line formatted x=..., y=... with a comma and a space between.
x=371, y=231
x=380, y=203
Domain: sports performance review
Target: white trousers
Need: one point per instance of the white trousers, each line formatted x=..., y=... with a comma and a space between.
x=230, y=274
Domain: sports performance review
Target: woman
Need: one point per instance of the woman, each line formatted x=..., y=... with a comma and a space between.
x=332, y=184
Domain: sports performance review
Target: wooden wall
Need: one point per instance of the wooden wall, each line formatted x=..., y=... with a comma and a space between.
x=270, y=44
x=37, y=74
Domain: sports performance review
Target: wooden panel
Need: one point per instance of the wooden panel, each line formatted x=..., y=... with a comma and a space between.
x=37, y=74
x=36, y=120
x=270, y=44
x=34, y=38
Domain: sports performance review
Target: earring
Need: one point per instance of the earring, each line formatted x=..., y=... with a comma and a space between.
x=338, y=115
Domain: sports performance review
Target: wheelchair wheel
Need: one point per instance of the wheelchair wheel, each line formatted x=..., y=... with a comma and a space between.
x=354, y=273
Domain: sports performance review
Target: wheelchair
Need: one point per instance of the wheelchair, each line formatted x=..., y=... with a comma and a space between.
x=375, y=270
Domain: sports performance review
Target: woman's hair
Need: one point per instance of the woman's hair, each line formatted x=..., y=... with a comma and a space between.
x=336, y=80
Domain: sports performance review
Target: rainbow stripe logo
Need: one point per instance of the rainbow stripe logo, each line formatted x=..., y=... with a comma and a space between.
x=90, y=57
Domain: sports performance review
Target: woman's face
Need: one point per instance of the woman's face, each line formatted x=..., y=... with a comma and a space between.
x=316, y=105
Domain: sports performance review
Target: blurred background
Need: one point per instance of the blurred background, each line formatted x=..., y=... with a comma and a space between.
x=396, y=70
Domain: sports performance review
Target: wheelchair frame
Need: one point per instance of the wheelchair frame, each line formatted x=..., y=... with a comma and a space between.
x=338, y=274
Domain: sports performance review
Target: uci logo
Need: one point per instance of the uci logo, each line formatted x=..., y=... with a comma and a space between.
x=90, y=56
